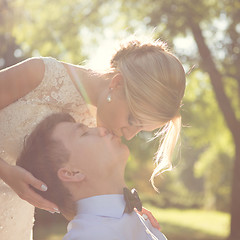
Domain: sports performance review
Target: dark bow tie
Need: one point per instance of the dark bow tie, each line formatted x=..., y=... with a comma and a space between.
x=132, y=200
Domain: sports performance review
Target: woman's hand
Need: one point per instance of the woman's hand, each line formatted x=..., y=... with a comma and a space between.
x=20, y=181
x=147, y=214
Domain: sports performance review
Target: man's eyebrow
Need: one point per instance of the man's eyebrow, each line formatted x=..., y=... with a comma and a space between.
x=80, y=127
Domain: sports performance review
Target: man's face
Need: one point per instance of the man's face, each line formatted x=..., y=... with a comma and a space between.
x=93, y=151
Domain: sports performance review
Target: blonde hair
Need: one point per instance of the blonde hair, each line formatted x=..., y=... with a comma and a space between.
x=154, y=81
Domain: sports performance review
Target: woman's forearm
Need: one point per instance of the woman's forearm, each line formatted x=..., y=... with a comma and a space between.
x=4, y=169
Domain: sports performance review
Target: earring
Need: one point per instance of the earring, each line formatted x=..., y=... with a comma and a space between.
x=109, y=97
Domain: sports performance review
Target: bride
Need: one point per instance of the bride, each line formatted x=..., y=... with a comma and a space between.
x=142, y=91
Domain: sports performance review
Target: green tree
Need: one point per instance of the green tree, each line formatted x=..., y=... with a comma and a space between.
x=64, y=29
x=10, y=52
x=213, y=160
x=214, y=26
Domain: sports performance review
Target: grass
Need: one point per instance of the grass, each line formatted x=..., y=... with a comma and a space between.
x=176, y=224
x=192, y=224
x=54, y=231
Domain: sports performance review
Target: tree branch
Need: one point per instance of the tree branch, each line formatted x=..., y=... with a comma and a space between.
x=215, y=78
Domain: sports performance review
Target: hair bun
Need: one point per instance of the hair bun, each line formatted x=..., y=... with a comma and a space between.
x=138, y=48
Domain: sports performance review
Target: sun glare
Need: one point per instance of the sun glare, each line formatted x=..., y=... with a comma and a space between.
x=100, y=56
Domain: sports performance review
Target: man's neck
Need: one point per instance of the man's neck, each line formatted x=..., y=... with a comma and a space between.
x=90, y=191
x=110, y=205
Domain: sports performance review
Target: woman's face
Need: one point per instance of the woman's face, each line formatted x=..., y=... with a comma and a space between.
x=116, y=117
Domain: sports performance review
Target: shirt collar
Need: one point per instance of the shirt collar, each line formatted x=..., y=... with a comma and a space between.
x=111, y=205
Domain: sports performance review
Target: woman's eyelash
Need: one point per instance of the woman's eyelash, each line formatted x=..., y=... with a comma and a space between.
x=130, y=120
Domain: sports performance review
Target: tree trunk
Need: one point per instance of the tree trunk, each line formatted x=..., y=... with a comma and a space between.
x=235, y=203
x=231, y=121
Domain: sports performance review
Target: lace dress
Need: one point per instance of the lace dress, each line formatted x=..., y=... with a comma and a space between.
x=56, y=93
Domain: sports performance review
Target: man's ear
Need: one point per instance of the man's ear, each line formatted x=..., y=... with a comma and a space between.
x=68, y=175
x=117, y=81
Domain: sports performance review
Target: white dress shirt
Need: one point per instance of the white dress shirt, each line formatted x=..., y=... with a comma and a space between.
x=102, y=218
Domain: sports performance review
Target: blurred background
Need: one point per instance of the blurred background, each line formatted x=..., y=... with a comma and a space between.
x=200, y=198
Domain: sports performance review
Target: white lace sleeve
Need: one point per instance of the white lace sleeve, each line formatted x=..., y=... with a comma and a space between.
x=58, y=92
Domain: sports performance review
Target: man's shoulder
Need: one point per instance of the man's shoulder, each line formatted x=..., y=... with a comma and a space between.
x=94, y=233
x=88, y=230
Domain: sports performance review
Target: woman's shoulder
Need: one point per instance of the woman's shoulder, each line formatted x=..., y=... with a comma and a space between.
x=37, y=62
x=52, y=67
x=55, y=65
x=41, y=62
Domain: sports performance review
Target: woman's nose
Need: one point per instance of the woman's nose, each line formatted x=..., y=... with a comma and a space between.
x=131, y=132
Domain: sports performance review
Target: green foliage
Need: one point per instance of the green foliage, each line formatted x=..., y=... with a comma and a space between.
x=48, y=28
x=60, y=28
x=216, y=151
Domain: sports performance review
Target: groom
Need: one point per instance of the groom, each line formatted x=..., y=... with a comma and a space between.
x=84, y=170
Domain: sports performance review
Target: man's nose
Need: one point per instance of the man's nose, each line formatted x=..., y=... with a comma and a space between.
x=102, y=131
x=131, y=132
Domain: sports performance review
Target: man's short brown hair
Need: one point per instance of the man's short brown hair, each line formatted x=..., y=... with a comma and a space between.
x=43, y=156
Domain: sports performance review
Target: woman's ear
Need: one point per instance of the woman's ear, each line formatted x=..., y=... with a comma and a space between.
x=68, y=175
x=117, y=81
